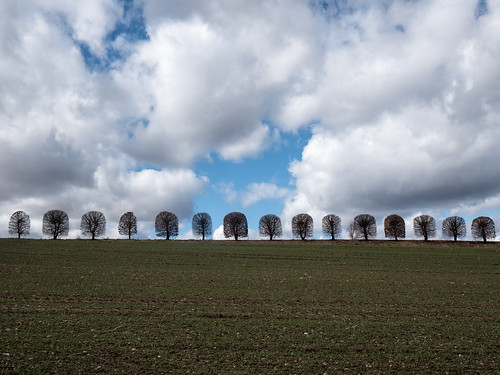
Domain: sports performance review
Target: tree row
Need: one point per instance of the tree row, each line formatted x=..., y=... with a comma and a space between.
x=55, y=224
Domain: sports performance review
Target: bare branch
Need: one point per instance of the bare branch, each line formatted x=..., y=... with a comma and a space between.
x=55, y=224
x=19, y=224
x=302, y=226
x=483, y=227
x=93, y=224
x=270, y=225
x=202, y=225
x=331, y=225
x=167, y=224
x=454, y=226
x=366, y=225
x=127, y=225
x=353, y=233
x=424, y=226
x=394, y=227
x=235, y=225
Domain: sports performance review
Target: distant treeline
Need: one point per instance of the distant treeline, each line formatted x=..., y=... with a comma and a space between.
x=93, y=224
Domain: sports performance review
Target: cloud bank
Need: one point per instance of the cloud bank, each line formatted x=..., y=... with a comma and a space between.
x=109, y=105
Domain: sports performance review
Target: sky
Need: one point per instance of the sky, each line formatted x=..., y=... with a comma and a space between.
x=264, y=106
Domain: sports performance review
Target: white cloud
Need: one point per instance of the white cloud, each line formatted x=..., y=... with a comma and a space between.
x=146, y=193
x=227, y=190
x=477, y=207
x=401, y=162
x=403, y=98
x=89, y=21
x=247, y=145
x=199, y=96
x=219, y=233
x=209, y=86
x=256, y=192
x=64, y=129
x=408, y=120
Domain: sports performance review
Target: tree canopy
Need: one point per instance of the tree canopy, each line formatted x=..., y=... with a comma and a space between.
x=483, y=227
x=302, y=226
x=331, y=226
x=127, y=226
x=235, y=225
x=19, y=224
x=55, y=224
x=366, y=225
x=454, y=227
x=424, y=226
x=167, y=225
x=202, y=225
x=394, y=227
x=93, y=224
x=270, y=226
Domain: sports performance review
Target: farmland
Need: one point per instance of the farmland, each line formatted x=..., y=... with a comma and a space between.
x=246, y=307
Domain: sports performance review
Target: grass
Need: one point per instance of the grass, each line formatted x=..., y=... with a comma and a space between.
x=249, y=307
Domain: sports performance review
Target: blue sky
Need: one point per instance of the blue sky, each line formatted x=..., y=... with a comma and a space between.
x=229, y=180
x=283, y=107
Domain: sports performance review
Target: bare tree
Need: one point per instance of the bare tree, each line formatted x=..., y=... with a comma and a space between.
x=302, y=226
x=270, y=225
x=454, y=226
x=366, y=225
x=202, y=225
x=167, y=224
x=55, y=224
x=235, y=225
x=93, y=224
x=19, y=224
x=424, y=226
x=483, y=227
x=352, y=232
x=331, y=225
x=127, y=226
x=394, y=227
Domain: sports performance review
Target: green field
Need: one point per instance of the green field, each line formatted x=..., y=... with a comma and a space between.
x=248, y=307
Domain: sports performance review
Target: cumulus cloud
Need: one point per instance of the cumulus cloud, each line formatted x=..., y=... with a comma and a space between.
x=145, y=192
x=88, y=21
x=219, y=233
x=212, y=73
x=401, y=97
x=248, y=145
x=400, y=162
x=64, y=128
x=256, y=192
x=412, y=123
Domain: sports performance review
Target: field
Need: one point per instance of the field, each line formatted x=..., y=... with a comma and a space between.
x=247, y=307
